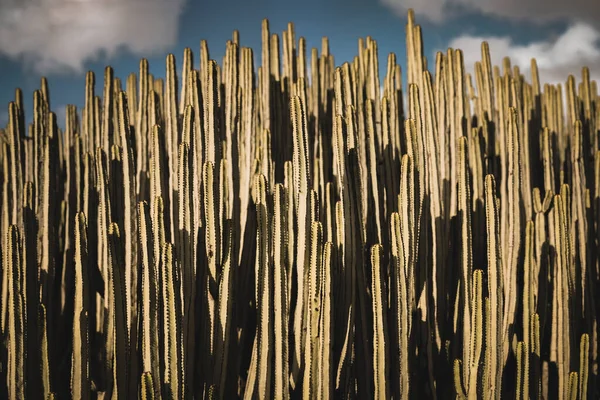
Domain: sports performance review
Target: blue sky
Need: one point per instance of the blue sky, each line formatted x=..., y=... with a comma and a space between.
x=62, y=39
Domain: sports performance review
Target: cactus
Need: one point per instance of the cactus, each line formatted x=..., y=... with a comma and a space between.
x=467, y=387
x=313, y=310
x=380, y=342
x=495, y=341
x=584, y=350
x=281, y=300
x=535, y=365
x=325, y=356
x=149, y=308
x=119, y=321
x=147, y=387
x=290, y=231
x=264, y=342
x=522, y=386
x=225, y=307
x=80, y=374
x=16, y=316
x=172, y=326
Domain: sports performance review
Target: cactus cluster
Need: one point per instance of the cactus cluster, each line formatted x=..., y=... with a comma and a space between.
x=293, y=232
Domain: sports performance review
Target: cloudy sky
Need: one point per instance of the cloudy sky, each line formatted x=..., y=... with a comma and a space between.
x=62, y=39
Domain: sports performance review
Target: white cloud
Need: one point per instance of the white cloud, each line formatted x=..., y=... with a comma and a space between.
x=530, y=10
x=58, y=35
x=556, y=58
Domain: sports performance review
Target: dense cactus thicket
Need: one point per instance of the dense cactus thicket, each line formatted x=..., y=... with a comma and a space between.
x=294, y=232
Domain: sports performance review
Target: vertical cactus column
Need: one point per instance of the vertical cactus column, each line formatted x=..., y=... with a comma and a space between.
x=303, y=229
x=80, y=369
x=16, y=315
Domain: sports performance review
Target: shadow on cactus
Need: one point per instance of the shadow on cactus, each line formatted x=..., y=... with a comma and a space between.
x=291, y=232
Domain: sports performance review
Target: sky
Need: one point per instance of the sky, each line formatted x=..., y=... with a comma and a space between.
x=62, y=39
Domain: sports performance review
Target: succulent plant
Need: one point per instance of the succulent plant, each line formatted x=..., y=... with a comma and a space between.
x=232, y=232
